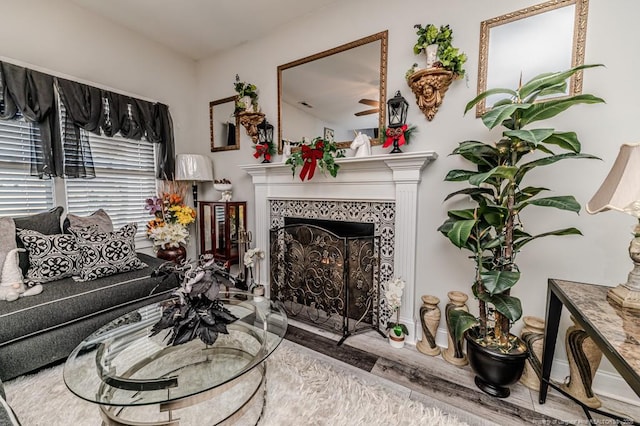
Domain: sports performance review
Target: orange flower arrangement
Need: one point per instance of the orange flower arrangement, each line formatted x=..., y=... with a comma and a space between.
x=168, y=228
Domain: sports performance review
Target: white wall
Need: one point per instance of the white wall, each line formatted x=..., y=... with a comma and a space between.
x=600, y=256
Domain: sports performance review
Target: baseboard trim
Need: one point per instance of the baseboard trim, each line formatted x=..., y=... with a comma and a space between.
x=605, y=383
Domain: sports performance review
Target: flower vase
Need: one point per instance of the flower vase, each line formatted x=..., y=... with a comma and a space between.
x=584, y=358
x=430, y=319
x=533, y=336
x=431, y=51
x=454, y=354
x=172, y=254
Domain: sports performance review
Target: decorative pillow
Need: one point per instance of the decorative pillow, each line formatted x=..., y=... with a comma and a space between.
x=51, y=257
x=106, y=253
x=47, y=223
x=100, y=218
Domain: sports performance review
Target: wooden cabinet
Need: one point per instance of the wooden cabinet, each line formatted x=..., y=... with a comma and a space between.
x=220, y=223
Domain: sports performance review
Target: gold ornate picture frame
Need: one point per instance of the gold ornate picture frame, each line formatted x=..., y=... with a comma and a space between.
x=548, y=17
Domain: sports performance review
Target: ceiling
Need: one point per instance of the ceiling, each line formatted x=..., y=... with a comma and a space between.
x=200, y=28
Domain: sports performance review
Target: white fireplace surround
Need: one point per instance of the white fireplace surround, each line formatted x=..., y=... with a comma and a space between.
x=387, y=177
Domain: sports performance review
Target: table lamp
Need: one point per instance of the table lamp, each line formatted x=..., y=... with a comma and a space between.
x=621, y=191
x=195, y=168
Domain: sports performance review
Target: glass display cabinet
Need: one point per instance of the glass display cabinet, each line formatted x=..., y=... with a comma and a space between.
x=220, y=223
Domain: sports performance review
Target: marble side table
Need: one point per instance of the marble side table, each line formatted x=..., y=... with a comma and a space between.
x=616, y=331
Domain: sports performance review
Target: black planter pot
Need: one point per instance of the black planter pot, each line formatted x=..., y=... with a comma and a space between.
x=495, y=371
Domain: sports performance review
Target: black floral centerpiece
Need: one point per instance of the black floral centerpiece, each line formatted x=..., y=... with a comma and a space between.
x=195, y=311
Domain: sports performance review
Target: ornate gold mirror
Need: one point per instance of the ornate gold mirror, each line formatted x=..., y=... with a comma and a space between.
x=547, y=37
x=224, y=125
x=342, y=89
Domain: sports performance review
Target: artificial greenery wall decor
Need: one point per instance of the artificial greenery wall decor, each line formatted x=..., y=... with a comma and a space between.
x=318, y=153
x=247, y=96
x=448, y=57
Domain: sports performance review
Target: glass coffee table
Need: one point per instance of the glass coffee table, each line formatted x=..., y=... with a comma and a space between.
x=139, y=380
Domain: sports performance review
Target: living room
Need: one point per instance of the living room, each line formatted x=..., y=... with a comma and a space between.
x=70, y=39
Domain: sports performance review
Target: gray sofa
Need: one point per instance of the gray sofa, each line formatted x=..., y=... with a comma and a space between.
x=39, y=330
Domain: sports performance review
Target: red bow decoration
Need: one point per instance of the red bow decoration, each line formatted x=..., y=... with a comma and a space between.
x=310, y=156
x=262, y=149
x=393, y=134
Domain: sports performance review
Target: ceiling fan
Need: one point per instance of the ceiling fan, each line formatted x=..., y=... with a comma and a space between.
x=369, y=102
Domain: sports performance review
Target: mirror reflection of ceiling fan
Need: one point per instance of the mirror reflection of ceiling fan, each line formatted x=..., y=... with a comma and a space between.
x=369, y=102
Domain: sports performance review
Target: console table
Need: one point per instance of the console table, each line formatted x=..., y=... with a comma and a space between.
x=616, y=331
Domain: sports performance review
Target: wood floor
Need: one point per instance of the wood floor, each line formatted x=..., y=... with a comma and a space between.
x=438, y=383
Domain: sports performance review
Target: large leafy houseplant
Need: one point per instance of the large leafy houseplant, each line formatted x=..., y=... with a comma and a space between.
x=491, y=229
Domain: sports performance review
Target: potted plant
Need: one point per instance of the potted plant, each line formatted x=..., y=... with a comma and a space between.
x=247, y=96
x=492, y=230
x=396, y=330
x=436, y=44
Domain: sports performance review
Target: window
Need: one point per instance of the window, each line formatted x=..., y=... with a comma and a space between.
x=20, y=193
x=125, y=178
x=125, y=174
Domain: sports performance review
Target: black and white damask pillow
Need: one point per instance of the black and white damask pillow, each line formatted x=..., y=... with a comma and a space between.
x=106, y=253
x=51, y=257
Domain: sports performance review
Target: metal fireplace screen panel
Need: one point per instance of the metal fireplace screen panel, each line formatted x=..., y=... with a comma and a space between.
x=324, y=278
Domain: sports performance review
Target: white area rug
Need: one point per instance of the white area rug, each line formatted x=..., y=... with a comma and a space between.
x=301, y=389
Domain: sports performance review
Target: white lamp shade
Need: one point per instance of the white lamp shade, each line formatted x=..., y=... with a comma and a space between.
x=621, y=188
x=193, y=167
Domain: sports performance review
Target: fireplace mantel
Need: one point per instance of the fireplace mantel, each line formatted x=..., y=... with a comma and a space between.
x=386, y=177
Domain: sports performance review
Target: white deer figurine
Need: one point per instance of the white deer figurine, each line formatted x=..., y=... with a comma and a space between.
x=11, y=285
x=362, y=145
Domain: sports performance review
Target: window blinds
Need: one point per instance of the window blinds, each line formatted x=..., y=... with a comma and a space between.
x=125, y=178
x=20, y=193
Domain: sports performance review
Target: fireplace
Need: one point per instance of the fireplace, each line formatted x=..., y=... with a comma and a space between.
x=379, y=189
x=326, y=272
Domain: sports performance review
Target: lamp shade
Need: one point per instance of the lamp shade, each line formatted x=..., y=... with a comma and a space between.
x=621, y=188
x=193, y=167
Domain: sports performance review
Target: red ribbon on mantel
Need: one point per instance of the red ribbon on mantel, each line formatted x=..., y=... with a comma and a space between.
x=310, y=156
x=262, y=149
x=395, y=133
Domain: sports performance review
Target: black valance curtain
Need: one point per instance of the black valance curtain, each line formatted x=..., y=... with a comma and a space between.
x=82, y=110
x=86, y=107
x=31, y=94
x=93, y=109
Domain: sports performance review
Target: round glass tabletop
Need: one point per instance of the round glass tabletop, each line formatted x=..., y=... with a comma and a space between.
x=121, y=365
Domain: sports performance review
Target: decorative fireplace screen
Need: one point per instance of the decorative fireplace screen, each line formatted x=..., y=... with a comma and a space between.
x=326, y=279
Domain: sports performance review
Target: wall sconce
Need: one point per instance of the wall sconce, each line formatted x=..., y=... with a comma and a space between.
x=429, y=86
